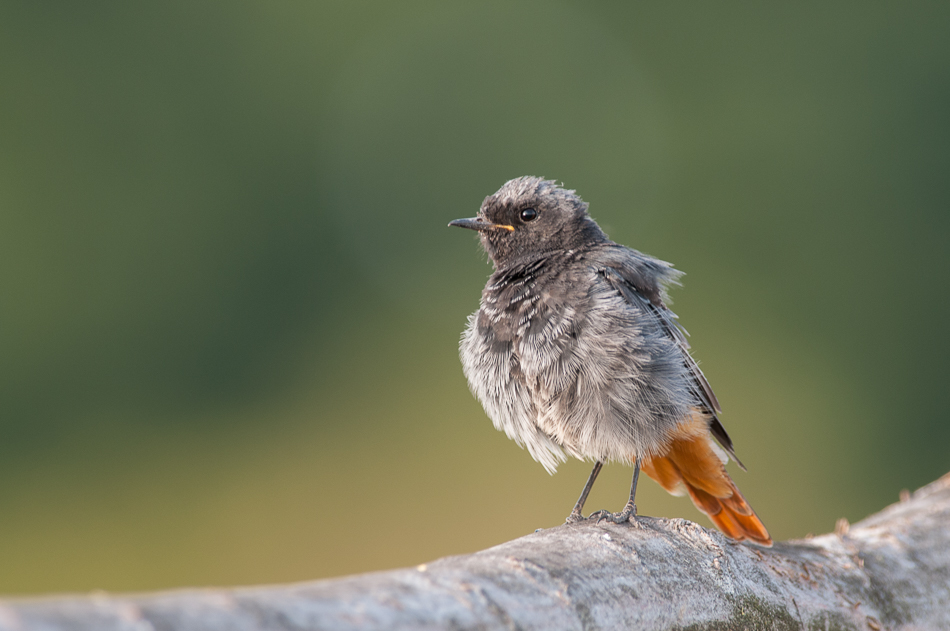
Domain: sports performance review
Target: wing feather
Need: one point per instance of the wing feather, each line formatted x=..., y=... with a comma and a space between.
x=649, y=299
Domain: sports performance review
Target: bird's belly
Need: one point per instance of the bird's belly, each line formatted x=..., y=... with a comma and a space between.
x=600, y=408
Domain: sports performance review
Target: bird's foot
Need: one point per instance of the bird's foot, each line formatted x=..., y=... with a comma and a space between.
x=630, y=510
x=574, y=518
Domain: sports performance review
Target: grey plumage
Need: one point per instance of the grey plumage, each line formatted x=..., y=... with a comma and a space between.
x=573, y=349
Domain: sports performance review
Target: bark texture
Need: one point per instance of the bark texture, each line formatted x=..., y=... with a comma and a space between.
x=890, y=571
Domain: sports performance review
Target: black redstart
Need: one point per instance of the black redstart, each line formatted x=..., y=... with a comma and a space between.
x=573, y=350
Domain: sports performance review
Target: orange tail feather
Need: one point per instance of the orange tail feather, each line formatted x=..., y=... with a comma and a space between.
x=692, y=466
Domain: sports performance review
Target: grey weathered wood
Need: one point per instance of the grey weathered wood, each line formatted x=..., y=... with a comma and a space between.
x=890, y=571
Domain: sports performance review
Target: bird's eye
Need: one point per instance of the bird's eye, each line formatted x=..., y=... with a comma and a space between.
x=529, y=214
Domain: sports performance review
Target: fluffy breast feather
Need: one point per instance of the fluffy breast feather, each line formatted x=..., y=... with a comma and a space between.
x=561, y=359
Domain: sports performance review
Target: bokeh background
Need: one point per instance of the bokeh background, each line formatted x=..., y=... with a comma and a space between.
x=230, y=304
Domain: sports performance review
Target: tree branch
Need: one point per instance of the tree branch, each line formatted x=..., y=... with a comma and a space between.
x=890, y=571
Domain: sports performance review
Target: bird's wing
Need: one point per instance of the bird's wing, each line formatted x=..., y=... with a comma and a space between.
x=638, y=291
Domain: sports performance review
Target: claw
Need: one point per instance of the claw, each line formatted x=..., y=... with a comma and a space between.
x=600, y=515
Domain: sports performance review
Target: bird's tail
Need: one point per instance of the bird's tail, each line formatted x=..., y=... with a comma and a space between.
x=693, y=466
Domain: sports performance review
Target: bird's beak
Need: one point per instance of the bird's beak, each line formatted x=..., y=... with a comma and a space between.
x=477, y=223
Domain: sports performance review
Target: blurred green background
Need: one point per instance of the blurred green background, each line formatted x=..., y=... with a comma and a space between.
x=230, y=304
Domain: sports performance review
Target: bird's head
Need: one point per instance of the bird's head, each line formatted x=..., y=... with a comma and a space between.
x=529, y=217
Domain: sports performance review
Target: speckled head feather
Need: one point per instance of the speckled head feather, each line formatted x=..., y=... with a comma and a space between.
x=561, y=223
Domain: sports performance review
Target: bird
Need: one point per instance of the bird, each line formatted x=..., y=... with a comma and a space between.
x=573, y=351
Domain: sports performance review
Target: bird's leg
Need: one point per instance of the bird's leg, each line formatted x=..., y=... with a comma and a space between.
x=576, y=515
x=630, y=510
